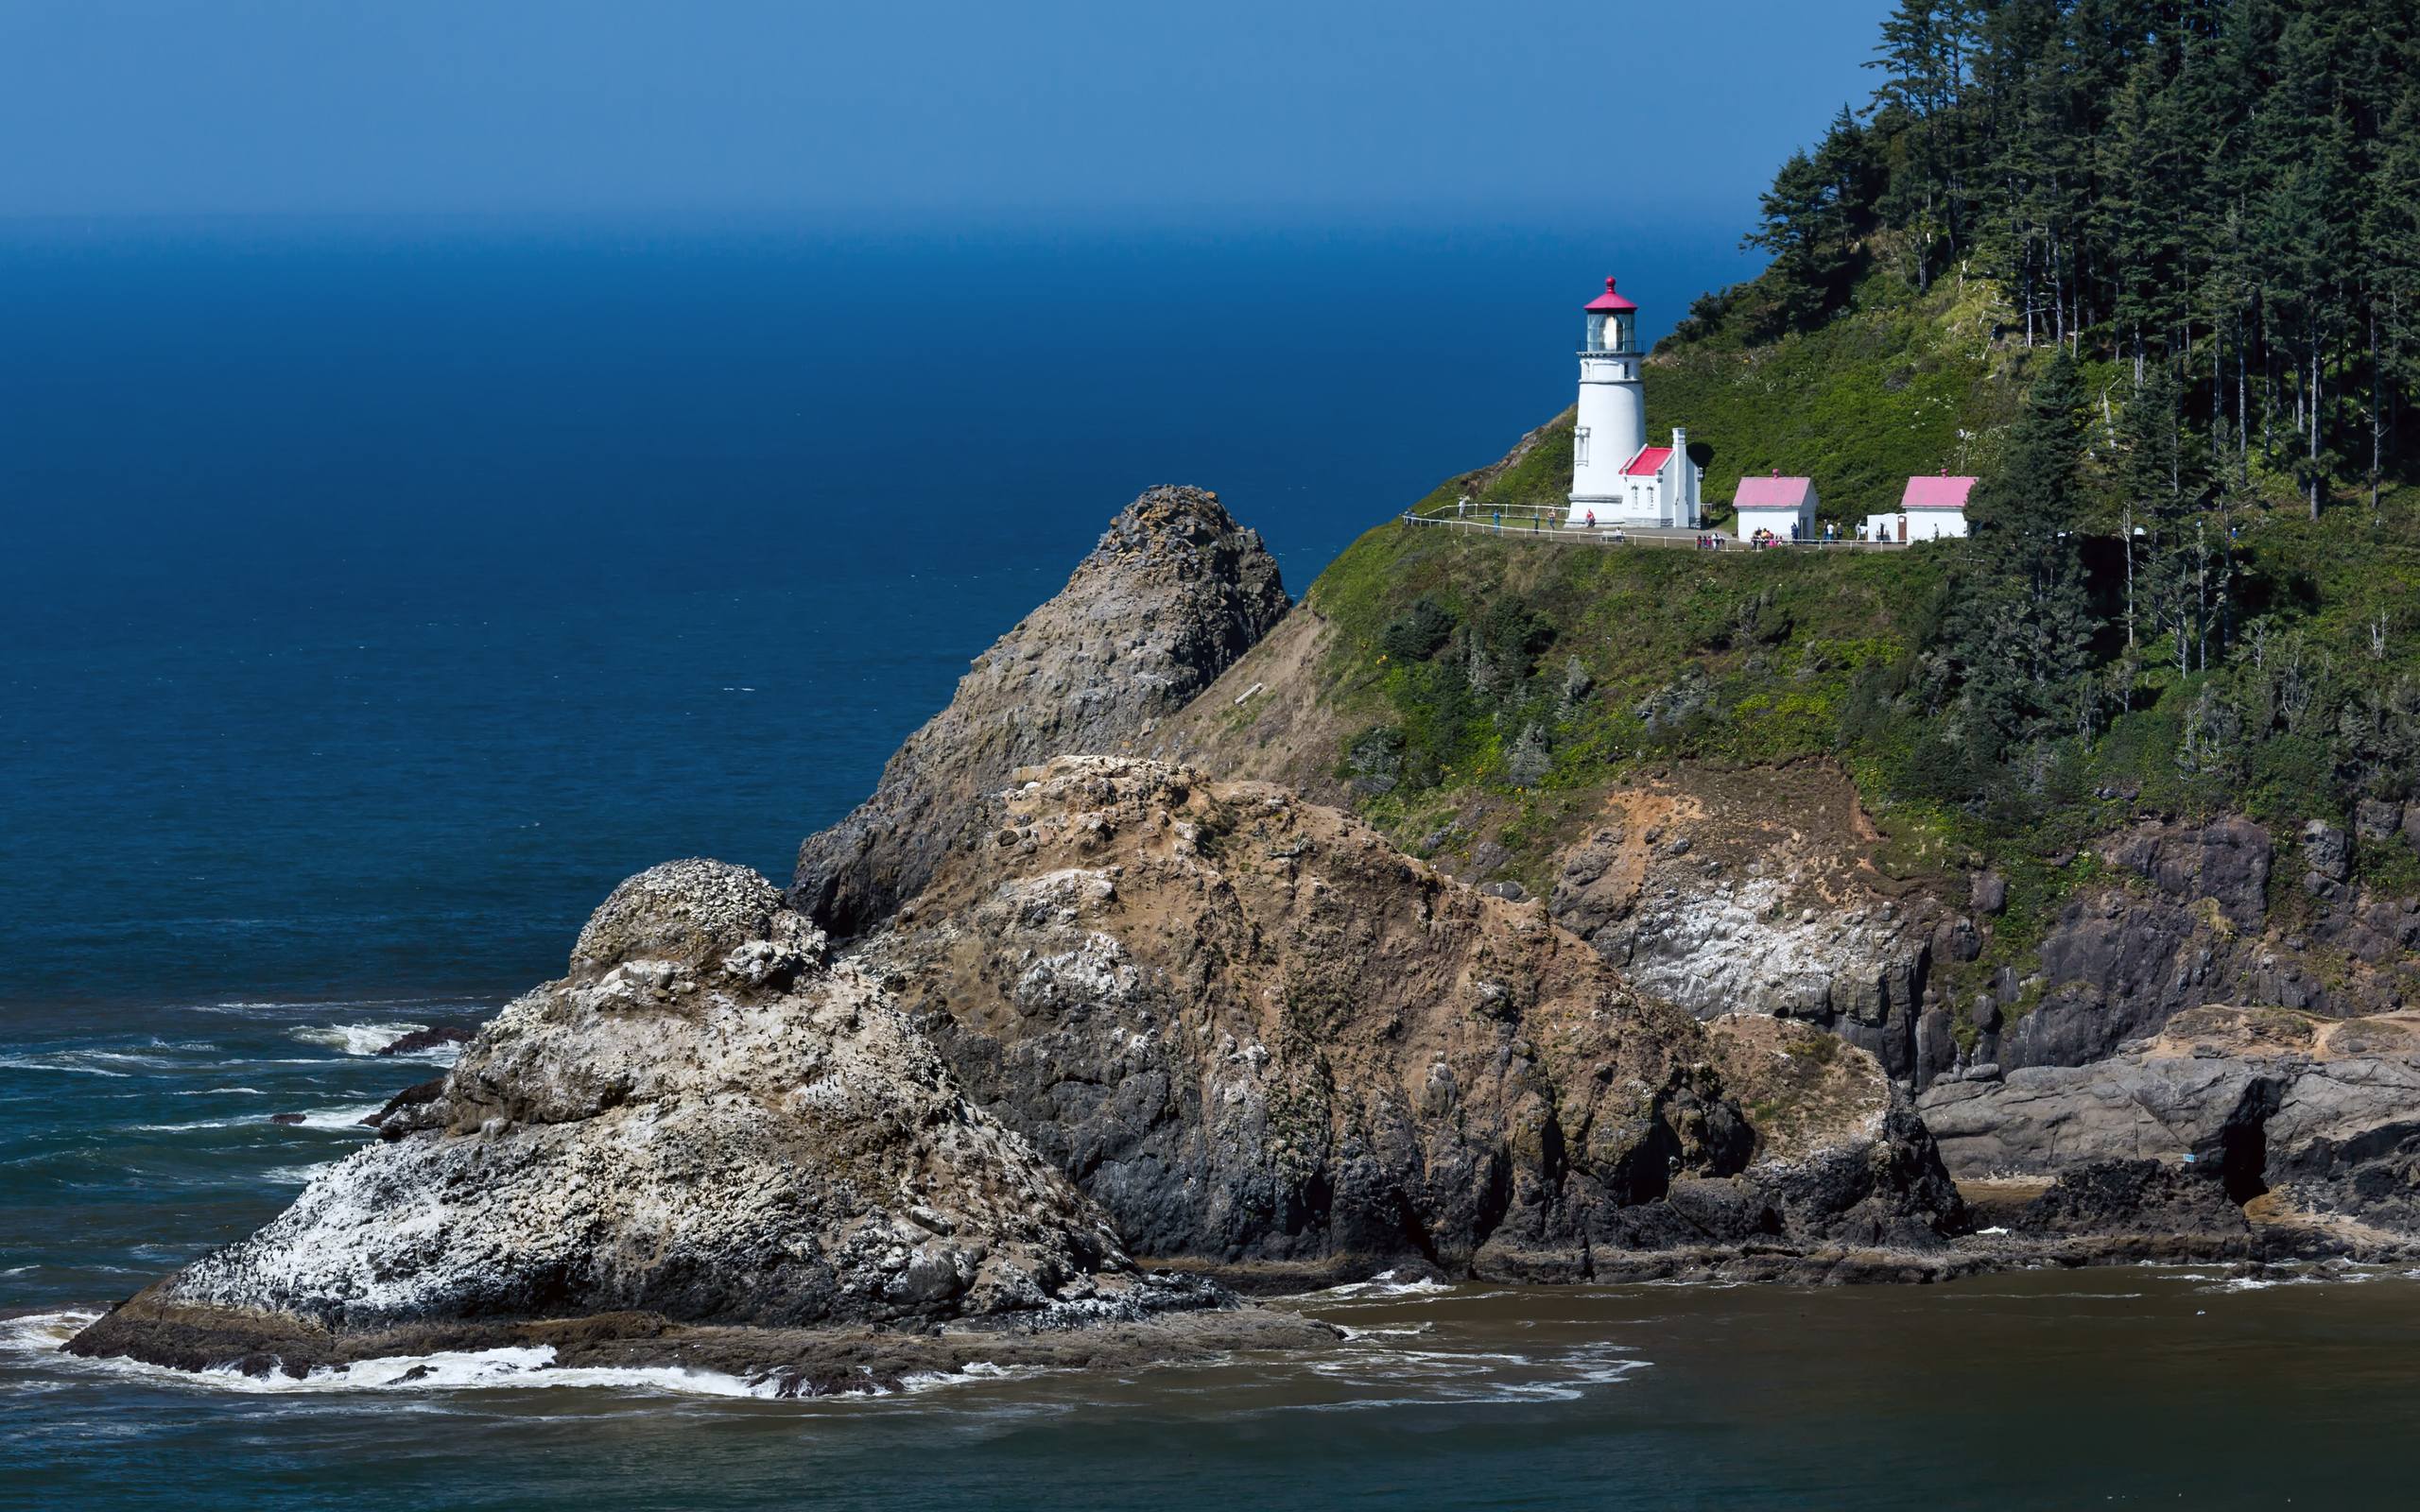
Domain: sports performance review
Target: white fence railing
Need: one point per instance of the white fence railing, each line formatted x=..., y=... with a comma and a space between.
x=1549, y=522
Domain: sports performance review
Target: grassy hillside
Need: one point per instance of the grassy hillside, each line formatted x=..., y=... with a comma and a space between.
x=1503, y=686
x=1898, y=385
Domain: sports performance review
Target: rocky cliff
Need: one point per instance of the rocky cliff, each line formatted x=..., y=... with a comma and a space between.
x=1087, y=1006
x=1174, y=593
x=1258, y=1035
x=1133, y=1009
x=706, y=1123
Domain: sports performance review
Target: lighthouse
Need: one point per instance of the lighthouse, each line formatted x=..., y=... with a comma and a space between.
x=1616, y=477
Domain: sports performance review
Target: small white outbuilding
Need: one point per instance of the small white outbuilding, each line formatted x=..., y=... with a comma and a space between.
x=1929, y=509
x=1783, y=507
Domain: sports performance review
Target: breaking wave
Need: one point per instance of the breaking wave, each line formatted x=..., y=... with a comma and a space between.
x=513, y=1367
x=354, y=1039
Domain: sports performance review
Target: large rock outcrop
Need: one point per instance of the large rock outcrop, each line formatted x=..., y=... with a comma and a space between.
x=1174, y=593
x=1753, y=892
x=1258, y=1035
x=706, y=1123
x=2324, y=1114
x=2192, y=927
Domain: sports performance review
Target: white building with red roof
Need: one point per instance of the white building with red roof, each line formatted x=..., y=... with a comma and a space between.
x=1775, y=506
x=1617, y=479
x=1930, y=509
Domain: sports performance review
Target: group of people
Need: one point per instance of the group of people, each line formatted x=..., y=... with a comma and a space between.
x=1828, y=534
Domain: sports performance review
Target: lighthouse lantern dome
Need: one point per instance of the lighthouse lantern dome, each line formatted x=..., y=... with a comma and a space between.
x=1612, y=322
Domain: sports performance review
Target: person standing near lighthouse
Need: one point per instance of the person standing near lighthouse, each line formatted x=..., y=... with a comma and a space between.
x=1615, y=474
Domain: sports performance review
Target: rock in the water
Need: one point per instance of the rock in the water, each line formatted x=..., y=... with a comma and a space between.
x=1175, y=591
x=703, y=1122
x=428, y=1039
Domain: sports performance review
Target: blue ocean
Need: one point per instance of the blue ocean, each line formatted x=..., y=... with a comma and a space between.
x=375, y=595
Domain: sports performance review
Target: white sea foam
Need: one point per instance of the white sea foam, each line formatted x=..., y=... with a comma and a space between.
x=297, y=1176
x=2322, y=1275
x=340, y=1118
x=244, y=1008
x=55, y=1062
x=348, y=1119
x=1385, y=1284
x=506, y=1368
x=354, y=1039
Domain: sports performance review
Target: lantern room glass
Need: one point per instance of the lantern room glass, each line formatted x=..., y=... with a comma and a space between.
x=1609, y=330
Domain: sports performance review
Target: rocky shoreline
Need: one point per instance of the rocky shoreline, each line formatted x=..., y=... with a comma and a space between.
x=1052, y=1053
x=817, y=1362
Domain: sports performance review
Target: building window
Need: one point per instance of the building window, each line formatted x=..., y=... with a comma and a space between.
x=1580, y=446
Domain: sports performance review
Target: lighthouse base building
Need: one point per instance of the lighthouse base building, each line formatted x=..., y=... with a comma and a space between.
x=1656, y=486
x=1617, y=479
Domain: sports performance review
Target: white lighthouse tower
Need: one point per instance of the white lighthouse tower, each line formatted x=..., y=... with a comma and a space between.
x=1616, y=477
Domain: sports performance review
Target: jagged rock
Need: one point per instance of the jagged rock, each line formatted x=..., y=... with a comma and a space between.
x=2328, y=1113
x=1988, y=893
x=2374, y=819
x=1957, y=939
x=702, y=1121
x=2226, y=861
x=399, y=1115
x=1174, y=593
x=429, y=1039
x=2118, y=963
x=1258, y=1034
x=1734, y=931
x=2325, y=850
x=1936, y=1048
x=2136, y=1197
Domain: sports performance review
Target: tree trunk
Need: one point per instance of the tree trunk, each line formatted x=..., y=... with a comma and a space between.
x=2314, y=423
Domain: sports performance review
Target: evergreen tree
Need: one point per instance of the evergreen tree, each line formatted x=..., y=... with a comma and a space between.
x=2024, y=628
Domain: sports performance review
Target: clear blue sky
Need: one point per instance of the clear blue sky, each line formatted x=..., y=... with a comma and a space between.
x=1291, y=107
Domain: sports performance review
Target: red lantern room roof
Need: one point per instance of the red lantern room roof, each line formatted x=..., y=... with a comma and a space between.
x=1610, y=300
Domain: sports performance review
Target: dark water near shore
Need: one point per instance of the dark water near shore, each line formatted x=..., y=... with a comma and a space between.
x=374, y=597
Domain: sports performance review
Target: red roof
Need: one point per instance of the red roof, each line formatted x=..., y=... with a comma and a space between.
x=1942, y=493
x=1609, y=300
x=1776, y=492
x=1649, y=462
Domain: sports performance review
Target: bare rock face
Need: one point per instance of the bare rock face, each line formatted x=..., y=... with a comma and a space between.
x=1174, y=593
x=705, y=1120
x=2118, y=963
x=1749, y=895
x=2324, y=1114
x=1258, y=1034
